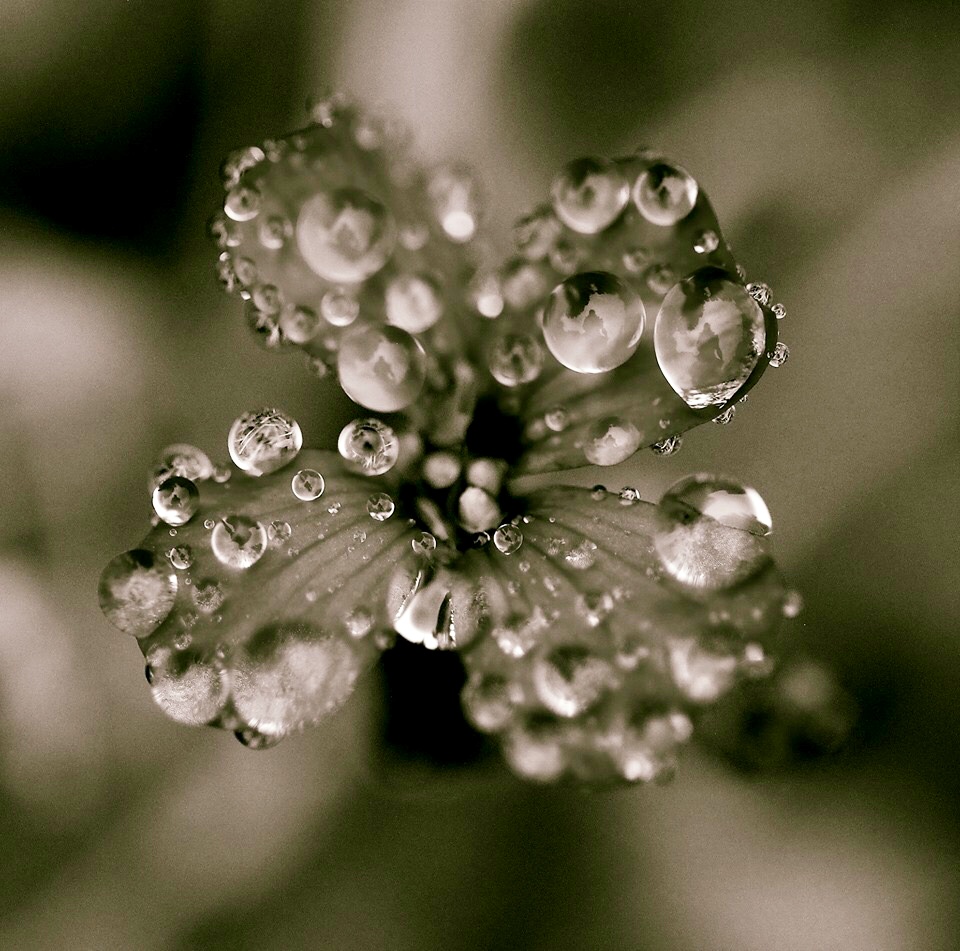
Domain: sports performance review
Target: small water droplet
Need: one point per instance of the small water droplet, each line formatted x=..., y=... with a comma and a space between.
x=701, y=672
x=779, y=311
x=515, y=359
x=345, y=235
x=334, y=508
x=423, y=544
x=455, y=198
x=380, y=506
x=487, y=702
x=359, y=622
x=508, y=538
x=628, y=495
x=263, y=441
x=535, y=234
x=726, y=416
x=182, y=460
x=570, y=679
x=792, y=604
x=589, y=194
x=242, y=203
x=668, y=446
x=382, y=368
x=413, y=302
x=664, y=194
x=369, y=446
x=583, y=556
x=181, y=557
x=279, y=531
x=779, y=355
x=760, y=292
x=598, y=493
x=253, y=739
x=238, y=541
x=175, y=500
x=705, y=242
x=238, y=162
x=137, y=591
x=208, y=523
x=557, y=419
x=660, y=278
x=299, y=324
x=610, y=441
x=308, y=485
x=636, y=259
x=593, y=322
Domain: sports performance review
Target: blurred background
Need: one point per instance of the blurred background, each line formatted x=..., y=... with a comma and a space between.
x=828, y=136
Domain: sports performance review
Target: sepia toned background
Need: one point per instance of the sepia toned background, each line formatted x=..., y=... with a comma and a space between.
x=828, y=137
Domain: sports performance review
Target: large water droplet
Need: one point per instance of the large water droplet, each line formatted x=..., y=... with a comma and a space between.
x=369, y=446
x=589, y=194
x=382, y=368
x=413, y=302
x=263, y=441
x=724, y=500
x=665, y=193
x=175, y=500
x=515, y=359
x=308, y=485
x=611, y=441
x=570, y=679
x=238, y=541
x=186, y=687
x=137, y=591
x=345, y=235
x=708, y=337
x=593, y=322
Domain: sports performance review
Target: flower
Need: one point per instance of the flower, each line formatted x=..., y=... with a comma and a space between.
x=594, y=625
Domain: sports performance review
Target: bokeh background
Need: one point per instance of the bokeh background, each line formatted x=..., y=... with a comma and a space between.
x=828, y=136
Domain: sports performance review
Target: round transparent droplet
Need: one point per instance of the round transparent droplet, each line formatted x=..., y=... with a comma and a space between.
x=779, y=355
x=184, y=460
x=593, y=322
x=176, y=500
x=307, y=485
x=339, y=308
x=242, y=203
x=668, y=446
x=299, y=324
x=705, y=242
x=535, y=234
x=279, y=531
x=610, y=441
x=455, y=198
x=556, y=419
x=345, y=235
x=137, y=591
x=274, y=232
x=570, y=679
x=508, y=538
x=487, y=703
x=413, y=302
x=208, y=595
x=664, y=194
x=723, y=500
x=238, y=541
x=263, y=441
x=380, y=506
x=423, y=544
x=381, y=368
x=181, y=557
x=709, y=335
x=515, y=359
x=486, y=294
x=188, y=688
x=369, y=446
x=589, y=194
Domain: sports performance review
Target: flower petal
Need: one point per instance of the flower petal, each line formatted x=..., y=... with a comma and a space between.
x=598, y=647
x=260, y=613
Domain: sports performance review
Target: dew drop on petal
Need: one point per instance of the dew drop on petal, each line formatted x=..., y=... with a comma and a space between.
x=381, y=368
x=664, y=194
x=589, y=194
x=610, y=441
x=380, y=506
x=508, y=538
x=485, y=293
x=779, y=355
x=760, y=292
x=724, y=500
x=299, y=324
x=308, y=485
x=263, y=441
x=339, y=308
x=413, y=302
x=242, y=203
x=557, y=419
x=792, y=604
x=705, y=242
x=181, y=557
x=238, y=541
x=486, y=701
x=137, y=591
x=184, y=460
x=702, y=674
x=593, y=322
x=369, y=446
x=535, y=752
x=709, y=336
x=175, y=500
x=345, y=236
x=186, y=687
x=668, y=446
x=455, y=198
x=208, y=595
x=359, y=622
x=255, y=740
x=279, y=531
x=515, y=359
x=535, y=234
x=570, y=679
x=424, y=543
x=726, y=417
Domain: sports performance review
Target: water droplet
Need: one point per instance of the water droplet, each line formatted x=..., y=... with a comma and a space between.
x=523, y=284
x=238, y=541
x=380, y=506
x=760, y=292
x=565, y=257
x=779, y=355
x=598, y=493
x=299, y=324
x=593, y=322
x=660, y=278
x=274, y=232
x=413, y=236
x=486, y=701
x=556, y=419
x=792, y=604
x=381, y=368
x=279, y=531
x=515, y=359
x=255, y=740
x=345, y=235
x=334, y=508
x=455, y=199
x=709, y=336
x=484, y=292
x=369, y=446
x=610, y=441
x=534, y=234
x=726, y=416
x=208, y=595
x=668, y=446
x=238, y=162
x=423, y=544
x=359, y=622
x=242, y=203
x=534, y=751
x=589, y=194
x=413, y=302
x=137, y=592
x=181, y=557
x=339, y=308
x=508, y=538
x=184, y=460
x=570, y=679
x=583, y=556
x=724, y=500
x=176, y=500
x=636, y=259
x=208, y=523
x=701, y=673
x=705, y=242
x=224, y=231
x=779, y=311
x=308, y=485
x=263, y=441
x=665, y=193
